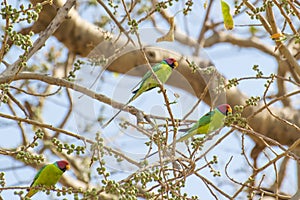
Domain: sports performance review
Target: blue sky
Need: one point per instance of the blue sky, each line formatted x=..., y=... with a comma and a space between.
x=231, y=61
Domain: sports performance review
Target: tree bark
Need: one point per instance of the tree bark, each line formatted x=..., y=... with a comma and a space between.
x=81, y=37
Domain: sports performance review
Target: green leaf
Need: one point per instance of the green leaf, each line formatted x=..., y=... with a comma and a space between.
x=228, y=20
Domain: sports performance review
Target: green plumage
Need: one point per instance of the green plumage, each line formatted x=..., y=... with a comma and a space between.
x=163, y=71
x=208, y=123
x=47, y=176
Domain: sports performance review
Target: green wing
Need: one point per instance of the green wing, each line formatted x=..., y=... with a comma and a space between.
x=37, y=175
x=148, y=82
x=208, y=123
x=47, y=176
x=201, y=127
x=203, y=121
x=148, y=75
x=155, y=68
x=163, y=72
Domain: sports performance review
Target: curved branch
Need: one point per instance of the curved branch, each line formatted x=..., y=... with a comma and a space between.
x=60, y=16
x=81, y=37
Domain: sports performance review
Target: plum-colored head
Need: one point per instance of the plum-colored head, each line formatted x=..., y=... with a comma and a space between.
x=62, y=165
x=172, y=62
x=225, y=109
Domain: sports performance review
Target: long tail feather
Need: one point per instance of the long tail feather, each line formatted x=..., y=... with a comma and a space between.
x=115, y=115
x=185, y=137
x=30, y=193
x=112, y=118
x=152, y=154
x=165, y=152
x=184, y=129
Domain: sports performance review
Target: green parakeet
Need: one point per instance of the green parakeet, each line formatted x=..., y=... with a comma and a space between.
x=209, y=122
x=48, y=175
x=162, y=70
